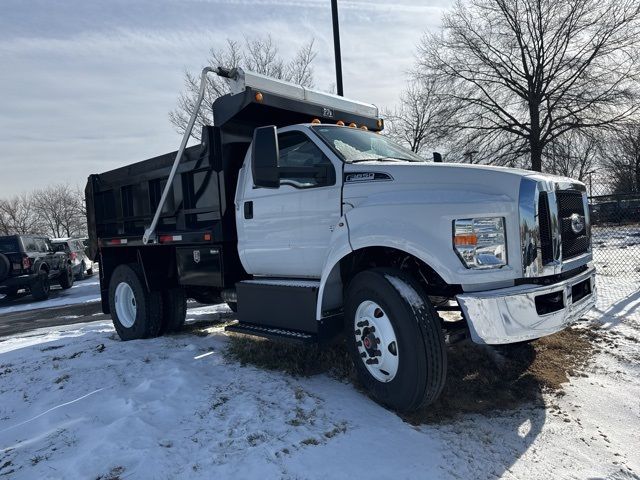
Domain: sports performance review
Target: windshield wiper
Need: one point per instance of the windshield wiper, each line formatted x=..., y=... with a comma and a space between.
x=379, y=159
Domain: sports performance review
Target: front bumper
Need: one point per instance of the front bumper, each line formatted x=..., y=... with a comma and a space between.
x=510, y=315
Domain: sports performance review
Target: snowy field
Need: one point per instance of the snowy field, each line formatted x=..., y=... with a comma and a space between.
x=75, y=402
x=616, y=250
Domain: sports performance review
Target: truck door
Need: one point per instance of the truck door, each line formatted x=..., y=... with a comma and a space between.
x=287, y=231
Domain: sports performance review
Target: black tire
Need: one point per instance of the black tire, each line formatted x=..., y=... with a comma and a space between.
x=148, y=313
x=11, y=293
x=90, y=271
x=66, y=278
x=422, y=362
x=5, y=267
x=42, y=287
x=233, y=306
x=81, y=273
x=174, y=310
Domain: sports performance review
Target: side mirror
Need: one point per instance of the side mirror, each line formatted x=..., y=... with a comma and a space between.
x=264, y=157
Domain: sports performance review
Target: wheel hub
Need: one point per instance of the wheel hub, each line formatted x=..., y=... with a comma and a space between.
x=376, y=341
x=126, y=307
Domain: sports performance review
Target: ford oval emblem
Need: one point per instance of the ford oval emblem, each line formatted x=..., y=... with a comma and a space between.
x=577, y=223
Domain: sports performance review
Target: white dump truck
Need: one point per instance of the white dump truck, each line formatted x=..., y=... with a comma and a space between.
x=296, y=212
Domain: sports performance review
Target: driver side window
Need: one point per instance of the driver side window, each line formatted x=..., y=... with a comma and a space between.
x=302, y=164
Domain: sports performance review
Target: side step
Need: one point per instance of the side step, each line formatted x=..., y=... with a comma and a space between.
x=273, y=333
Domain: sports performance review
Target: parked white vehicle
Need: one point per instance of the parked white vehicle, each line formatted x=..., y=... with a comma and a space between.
x=337, y=231
x=82, y=265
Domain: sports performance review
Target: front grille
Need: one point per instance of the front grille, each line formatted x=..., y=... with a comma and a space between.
x=570, y=203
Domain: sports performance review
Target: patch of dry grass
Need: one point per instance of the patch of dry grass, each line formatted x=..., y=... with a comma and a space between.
x=480, y=378
x=291, y=358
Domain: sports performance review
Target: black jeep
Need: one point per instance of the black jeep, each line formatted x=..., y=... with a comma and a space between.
x=30, y=262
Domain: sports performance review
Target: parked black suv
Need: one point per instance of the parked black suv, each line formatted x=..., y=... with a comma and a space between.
x=30, y=262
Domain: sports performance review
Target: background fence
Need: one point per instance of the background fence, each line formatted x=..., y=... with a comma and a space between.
x=615, y=218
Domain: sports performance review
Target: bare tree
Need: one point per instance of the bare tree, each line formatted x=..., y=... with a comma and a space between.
x=525, y=72
x=417, y=121
x=622, y=159
x=574, y=154
x=260, y=55
x=60, y=209
x=17, y=216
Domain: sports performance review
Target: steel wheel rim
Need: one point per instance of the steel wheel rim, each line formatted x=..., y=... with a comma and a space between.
x=126, y=306
x=376, y=341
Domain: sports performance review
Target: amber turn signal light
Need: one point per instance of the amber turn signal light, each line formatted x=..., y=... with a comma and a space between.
x=259, y=97
x=470, y=239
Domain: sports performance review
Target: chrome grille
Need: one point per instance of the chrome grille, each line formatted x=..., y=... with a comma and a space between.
x=554, y=226
x=569, y=204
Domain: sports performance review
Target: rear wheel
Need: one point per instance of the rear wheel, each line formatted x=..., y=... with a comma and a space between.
x=136, y=312
x=174, y=309
x=81, y=272
x=41, y=287
x=395, y=339
x=66, y=278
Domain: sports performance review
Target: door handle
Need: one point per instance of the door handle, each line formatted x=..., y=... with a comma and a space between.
x=248, y=210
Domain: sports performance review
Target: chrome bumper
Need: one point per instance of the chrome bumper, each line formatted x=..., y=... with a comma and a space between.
x=509, y=315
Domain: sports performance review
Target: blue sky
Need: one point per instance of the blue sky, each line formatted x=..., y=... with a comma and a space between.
x=86, y=85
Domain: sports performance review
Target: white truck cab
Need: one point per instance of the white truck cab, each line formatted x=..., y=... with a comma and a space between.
x=325, y=231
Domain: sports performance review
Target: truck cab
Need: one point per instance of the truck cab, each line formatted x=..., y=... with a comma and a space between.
x=297, y=211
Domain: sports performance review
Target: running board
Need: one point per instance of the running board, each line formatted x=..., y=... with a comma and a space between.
x=272, y=333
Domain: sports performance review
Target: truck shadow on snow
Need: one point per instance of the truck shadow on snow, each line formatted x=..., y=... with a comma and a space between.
x=486, y=386
x=480, y=379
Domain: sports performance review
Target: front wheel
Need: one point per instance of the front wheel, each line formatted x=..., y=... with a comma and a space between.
x=135, y=311
x=395, y=339
x=66, y=278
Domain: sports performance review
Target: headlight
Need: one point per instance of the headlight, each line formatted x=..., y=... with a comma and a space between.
x=480, y=242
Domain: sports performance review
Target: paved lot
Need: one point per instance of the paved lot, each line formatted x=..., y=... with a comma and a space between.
x=23, y=321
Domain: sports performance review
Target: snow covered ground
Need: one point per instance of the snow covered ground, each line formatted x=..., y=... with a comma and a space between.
x=75, y=402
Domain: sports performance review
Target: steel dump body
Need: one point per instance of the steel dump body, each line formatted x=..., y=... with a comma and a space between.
x=199, y=210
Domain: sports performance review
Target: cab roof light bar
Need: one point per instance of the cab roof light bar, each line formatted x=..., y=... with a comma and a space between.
x=239, y=81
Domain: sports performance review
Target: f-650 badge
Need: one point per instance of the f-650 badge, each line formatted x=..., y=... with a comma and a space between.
x=367, y=177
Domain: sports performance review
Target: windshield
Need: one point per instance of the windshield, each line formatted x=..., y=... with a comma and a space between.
x=8, y=245
x=355, y=145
